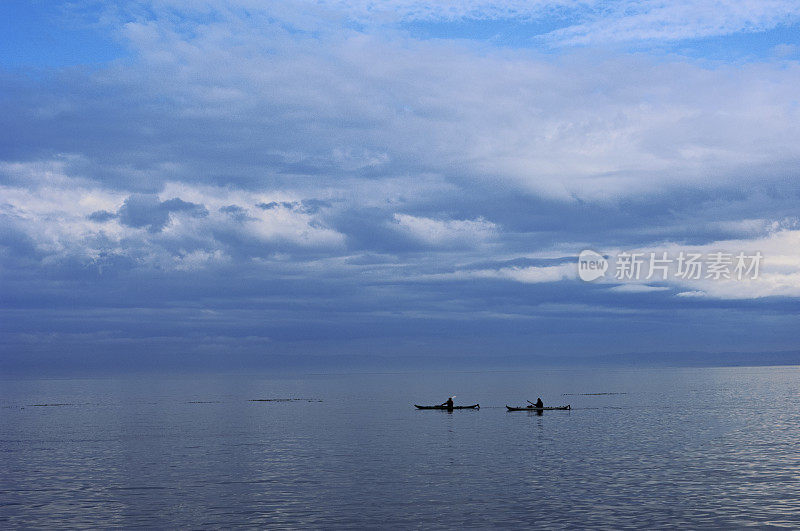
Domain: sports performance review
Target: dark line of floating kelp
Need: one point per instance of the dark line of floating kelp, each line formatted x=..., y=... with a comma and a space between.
x=60, y=404
x=285, y=400
x=591, y=394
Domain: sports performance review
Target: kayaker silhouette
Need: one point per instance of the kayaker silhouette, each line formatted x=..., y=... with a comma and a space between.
x=449, y=403
x=538, y=404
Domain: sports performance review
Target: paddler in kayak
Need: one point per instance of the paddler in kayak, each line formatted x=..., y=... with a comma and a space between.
x=538, y=405
x=449, y=403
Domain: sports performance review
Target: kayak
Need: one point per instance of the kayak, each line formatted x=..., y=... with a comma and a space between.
x=475, y=406
x=567, y=407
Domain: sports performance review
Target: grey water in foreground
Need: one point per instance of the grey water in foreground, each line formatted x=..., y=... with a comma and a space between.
x=650, y=448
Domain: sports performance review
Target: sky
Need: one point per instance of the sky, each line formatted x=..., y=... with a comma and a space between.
x=336, y=185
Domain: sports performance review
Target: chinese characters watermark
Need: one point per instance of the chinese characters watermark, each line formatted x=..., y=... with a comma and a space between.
x=661, y=266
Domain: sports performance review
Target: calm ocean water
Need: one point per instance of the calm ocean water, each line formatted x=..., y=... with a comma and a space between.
x=669, y=447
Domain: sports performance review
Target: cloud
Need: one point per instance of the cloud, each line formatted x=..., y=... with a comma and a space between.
x=236, y=213
x=308, y=206
x=634, y=20
x=275, y=204
x=591, y=21
x=140, y=211
x=537, y=274
x=63, y=226
x=101, y=216
x=200, y=259
x=241, y=101
x=445, y=232
x=637, y=288
x=317, y=175
x=525, y=275
x=777, y=273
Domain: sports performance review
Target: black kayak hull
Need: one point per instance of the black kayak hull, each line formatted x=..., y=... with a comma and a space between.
x=475, y=406
x=561, y=408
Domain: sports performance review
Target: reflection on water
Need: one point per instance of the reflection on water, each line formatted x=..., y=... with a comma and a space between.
x=693, y=447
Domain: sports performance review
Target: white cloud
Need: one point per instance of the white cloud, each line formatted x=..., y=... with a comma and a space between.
x=57, y=220
x=637, y=288
x=525, y=275
x=779, y=270
x=631, y=20
x=444, y=232
x=691, y=294
x=242, y=99
x=589, y=21
x=533, y=275
x=778, y=276
x=586, y=127
x=199, y=259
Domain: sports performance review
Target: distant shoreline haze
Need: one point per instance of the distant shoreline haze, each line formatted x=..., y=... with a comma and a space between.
x=77, y=366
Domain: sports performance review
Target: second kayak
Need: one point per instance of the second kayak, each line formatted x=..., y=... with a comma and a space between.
x=475, y=406
x=532, y=408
